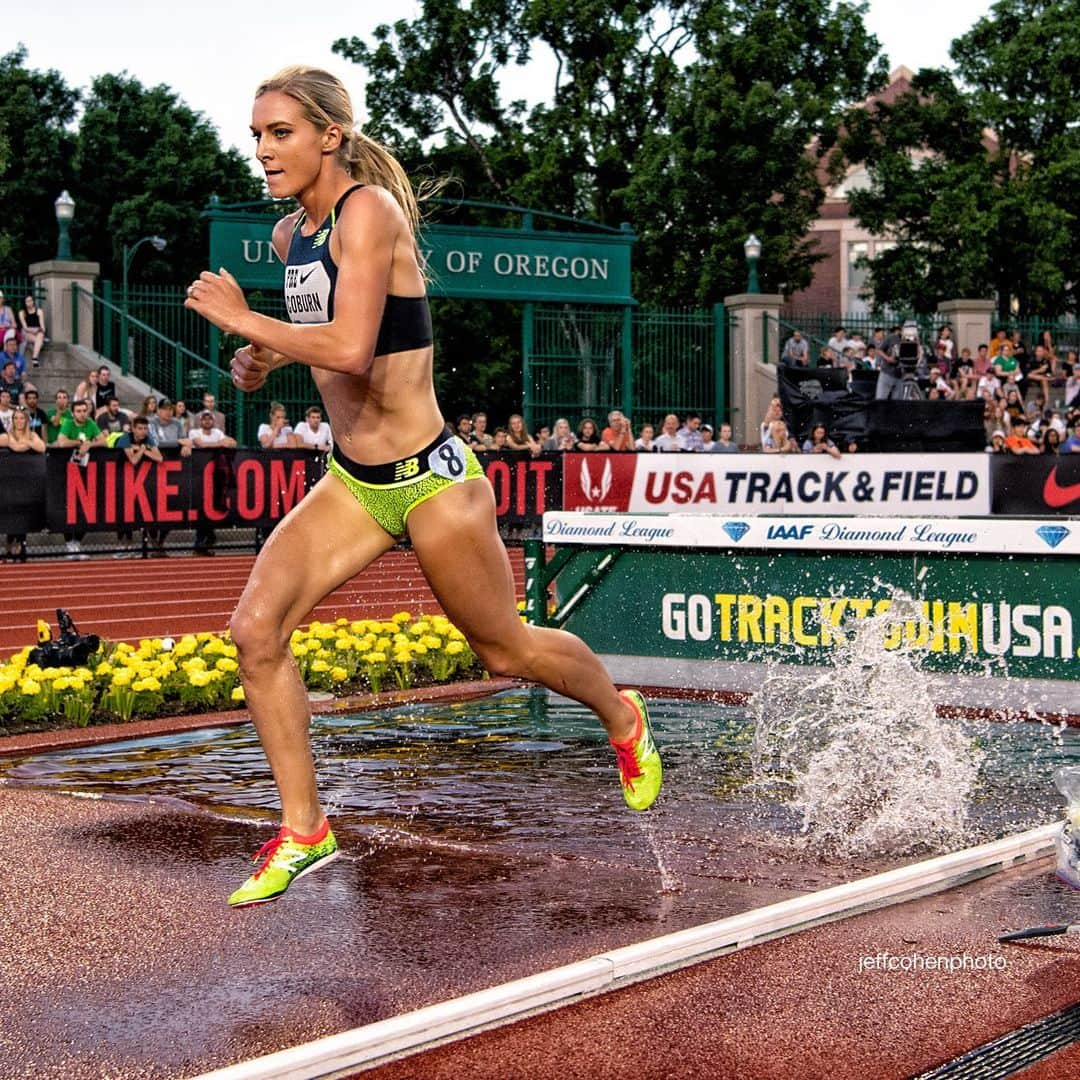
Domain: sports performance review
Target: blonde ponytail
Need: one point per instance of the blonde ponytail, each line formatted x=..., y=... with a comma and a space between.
x=370, y=162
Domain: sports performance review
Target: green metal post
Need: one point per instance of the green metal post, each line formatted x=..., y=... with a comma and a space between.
x=214, y=358
x=719, y=365
x=178, y=374
x=535, y=586
x=527, y=403
x=107, y=319
x=628, y=360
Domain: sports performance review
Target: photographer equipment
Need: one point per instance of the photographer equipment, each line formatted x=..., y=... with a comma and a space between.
x=910, y=353
x=71, y=649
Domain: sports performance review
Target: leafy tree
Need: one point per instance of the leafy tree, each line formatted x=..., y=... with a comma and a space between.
x=147, y=163
x=979, y=180
x=768, y=80
x=689, y=119
x=36, y=108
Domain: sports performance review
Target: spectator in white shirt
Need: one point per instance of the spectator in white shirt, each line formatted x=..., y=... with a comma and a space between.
x=314, y=432
x=207, y=434
x=839, y=341
x=668, y=439
x=277, y=433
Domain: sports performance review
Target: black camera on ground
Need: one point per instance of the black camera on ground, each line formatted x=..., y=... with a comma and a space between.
x=70, y=649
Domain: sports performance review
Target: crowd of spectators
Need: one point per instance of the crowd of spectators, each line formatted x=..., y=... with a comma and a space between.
x=689, y=435
x=95, y=417
x=1030, y=392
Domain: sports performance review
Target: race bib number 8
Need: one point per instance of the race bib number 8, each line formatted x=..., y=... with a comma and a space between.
x=448, y=459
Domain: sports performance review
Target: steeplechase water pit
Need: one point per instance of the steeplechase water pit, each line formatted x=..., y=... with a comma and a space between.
x=488, y=842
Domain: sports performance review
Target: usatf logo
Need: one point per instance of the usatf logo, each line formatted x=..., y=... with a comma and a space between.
x=1052, y=534
x=320, y=237
x=736, y=529
x=404, y=469
x=595, y=492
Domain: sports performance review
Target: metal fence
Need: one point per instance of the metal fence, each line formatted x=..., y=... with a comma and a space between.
x=171, y=348
x=648, y=362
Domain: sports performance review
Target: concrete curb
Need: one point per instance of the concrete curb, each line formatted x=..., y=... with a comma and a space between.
x=40, y=742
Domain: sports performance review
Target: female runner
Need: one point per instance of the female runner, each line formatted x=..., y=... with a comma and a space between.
x=355, y=295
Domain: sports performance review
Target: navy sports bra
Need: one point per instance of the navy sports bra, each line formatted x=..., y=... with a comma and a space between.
x=311, y=277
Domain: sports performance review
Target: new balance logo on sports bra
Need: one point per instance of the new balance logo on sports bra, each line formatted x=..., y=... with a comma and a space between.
x=307, y=292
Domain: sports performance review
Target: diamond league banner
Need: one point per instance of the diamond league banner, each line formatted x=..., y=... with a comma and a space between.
x=942, y=485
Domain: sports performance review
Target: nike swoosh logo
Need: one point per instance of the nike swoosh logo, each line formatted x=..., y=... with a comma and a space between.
x=1057, y=496
x=304, y=277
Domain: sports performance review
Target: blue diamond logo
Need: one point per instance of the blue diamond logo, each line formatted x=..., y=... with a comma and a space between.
x=1052, y=534
x=736, y=529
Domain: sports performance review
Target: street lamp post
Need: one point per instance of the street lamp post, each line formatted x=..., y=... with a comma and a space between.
x=65, y=211
x=159, y=243
x=752, y=247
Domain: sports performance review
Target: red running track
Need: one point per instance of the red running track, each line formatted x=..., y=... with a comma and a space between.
x=124, y=600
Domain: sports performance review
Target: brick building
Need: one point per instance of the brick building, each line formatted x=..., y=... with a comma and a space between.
x=838, y=278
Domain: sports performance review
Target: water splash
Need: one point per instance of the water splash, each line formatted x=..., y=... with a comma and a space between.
x=858, y=749
x=670, y=882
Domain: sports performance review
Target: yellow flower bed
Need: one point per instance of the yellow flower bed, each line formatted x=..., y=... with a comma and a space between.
x=201, y=671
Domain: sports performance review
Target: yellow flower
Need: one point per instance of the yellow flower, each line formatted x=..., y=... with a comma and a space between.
x=401, y=617
x=104, y=668
x=185, y=646
x=61, y=683
x=196, y=663
x=338, y=674
x=419, y=648
x=345, y=644
x=419, y=628
x=320, y=665
x=199, y=678
x=341, y=622
x=384, y=644
x=455, y=648
x=30, y=687
x=374, y=658
x=237, y=693
x=145, y=684
x=226, y=663
x=123, y=677
x=431, y=641
x=403, y=656
x=454, y=634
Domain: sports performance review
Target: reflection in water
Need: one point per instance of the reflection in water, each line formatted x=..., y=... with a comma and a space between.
x=529, y=775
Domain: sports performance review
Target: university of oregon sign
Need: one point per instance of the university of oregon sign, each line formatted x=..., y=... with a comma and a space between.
x=472, y=262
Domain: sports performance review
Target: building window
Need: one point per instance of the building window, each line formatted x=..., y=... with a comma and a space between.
x=858, y=274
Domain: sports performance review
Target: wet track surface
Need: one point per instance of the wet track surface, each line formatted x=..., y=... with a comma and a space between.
x=478, y=848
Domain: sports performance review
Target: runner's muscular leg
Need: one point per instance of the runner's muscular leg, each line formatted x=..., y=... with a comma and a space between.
x=456, y=540
x=324, y=540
